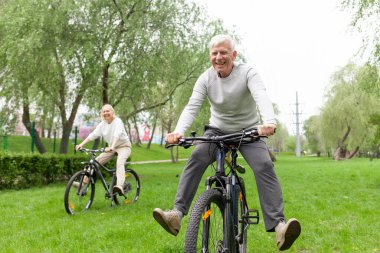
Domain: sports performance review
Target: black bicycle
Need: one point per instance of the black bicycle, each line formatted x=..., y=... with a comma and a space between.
x=80, y=190
x=220, y=217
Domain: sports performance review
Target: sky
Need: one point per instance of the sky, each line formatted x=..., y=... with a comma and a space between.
x=295, y=45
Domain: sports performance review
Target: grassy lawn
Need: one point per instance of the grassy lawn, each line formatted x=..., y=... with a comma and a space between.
x=337, y=204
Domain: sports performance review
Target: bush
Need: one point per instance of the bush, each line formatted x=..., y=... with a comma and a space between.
x=19, y=171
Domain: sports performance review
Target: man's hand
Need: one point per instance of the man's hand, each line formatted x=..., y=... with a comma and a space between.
x=266, y=129
x=173, y=138
x=78, y=147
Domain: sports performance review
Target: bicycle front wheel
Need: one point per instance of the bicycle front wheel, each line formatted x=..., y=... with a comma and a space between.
x=240, y=223
x=80, y=192
x=206, y=228
x=131, y=189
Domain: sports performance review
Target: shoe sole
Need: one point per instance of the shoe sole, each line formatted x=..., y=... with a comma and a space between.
x=157, y=214
x=118, y=191
x=291, y=234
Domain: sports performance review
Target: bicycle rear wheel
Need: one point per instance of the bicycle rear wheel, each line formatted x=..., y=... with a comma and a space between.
x=80, y=192
x=205, y=231
x=131, y=189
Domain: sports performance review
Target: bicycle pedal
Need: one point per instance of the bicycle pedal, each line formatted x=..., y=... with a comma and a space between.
x=252, y=216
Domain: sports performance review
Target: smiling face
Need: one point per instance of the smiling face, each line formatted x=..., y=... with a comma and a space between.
x=108, y=114
x=222, y=58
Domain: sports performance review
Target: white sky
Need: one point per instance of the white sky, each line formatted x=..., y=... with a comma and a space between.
x=295, y=45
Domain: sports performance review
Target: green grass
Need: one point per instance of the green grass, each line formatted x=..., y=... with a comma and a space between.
x=337, y=204
x=22, y=144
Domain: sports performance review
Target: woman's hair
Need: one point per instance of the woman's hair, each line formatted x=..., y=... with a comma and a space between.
x=220, y=38
x=109, y=107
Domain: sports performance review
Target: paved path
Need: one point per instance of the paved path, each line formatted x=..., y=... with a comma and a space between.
x=156, y=161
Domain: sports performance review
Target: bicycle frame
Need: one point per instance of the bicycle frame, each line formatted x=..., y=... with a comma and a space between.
x=228, y=187
x=94, y=165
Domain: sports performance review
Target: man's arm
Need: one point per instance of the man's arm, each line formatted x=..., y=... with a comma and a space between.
x=190, y=111
x=264, y=104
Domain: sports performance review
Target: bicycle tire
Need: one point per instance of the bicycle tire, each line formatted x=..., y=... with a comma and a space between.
x=131, y=188
x=205, y=231
x=240, y=210
x=78, y=199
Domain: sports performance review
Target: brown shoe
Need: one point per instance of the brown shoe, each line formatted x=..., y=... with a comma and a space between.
x=169, y=220
x=118, y=189
x=287, y=233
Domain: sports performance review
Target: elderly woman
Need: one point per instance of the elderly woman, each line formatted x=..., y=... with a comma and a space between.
x=113, y=132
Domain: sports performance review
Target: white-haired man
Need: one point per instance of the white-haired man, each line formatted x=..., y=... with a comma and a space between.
x=235, y=91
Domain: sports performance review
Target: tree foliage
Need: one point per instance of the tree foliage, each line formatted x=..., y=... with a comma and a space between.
x=313, y=134
x=345, y=119
x=135, y=55
x=366, y=19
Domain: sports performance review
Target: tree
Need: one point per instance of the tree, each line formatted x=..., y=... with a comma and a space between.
x=345, y=124
x=366, y=20
x=96, y=52
x=313, y=134
x=277, y=142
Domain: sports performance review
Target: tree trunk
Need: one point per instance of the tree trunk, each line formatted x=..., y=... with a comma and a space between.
x=138, y=143
x=96, y=143
x=351, y=154
x=28, y=125
x=153, y=130
x=67, y=123
x=341, y=150
x=105, y=85
x=174, y=155
x=162, y=136
x=66, y=130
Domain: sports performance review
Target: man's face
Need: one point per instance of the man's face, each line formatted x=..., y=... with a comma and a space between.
x=222, y=58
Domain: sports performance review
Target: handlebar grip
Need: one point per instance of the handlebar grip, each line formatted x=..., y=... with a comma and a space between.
x=170, y=145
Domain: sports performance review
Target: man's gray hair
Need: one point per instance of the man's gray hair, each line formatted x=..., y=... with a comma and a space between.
x=221, y=38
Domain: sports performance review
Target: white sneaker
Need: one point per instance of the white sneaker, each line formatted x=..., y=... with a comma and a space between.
x=287, y=233
x=169, y=220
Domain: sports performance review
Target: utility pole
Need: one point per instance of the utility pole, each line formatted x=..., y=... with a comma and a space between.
x=298, y=142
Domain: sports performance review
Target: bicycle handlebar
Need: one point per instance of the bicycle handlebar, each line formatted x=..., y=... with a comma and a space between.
x=186, y=142
x=86, y=150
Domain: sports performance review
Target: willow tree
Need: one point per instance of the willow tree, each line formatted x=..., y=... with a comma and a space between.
x=366, y=19
x=313, y=134
x=345, y=117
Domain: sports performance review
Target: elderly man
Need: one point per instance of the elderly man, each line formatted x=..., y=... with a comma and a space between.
x=238, y=101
